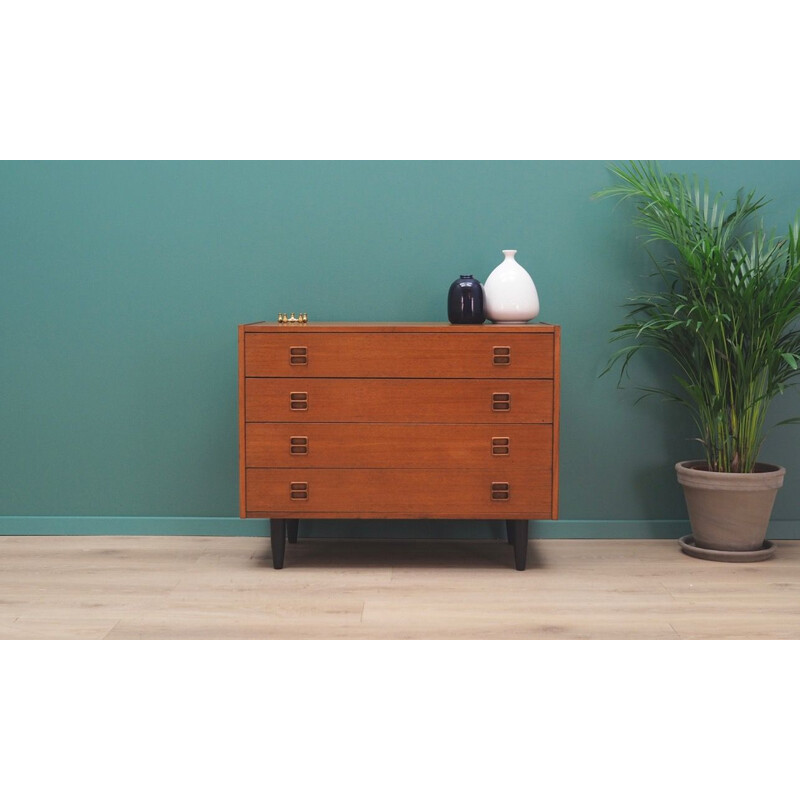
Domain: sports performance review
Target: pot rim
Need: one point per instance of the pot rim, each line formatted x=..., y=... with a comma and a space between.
x=767, y=477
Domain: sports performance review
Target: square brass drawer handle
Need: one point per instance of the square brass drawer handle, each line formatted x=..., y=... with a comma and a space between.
x=298, y=401
x=298, y=356
x=298, y=490
x=298, y=445
x=501, y=356
x=501, y=490
x=501, y=445
x=501, y=401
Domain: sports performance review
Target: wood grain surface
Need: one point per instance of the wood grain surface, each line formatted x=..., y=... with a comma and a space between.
x=413, y=493
x=400, y=355
x=398, y=400
x=382, y=445
x=205, y=587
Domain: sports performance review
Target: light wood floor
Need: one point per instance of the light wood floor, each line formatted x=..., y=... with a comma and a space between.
x=153, y=587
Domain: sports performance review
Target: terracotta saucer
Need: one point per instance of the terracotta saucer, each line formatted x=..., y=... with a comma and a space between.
x=739, y=556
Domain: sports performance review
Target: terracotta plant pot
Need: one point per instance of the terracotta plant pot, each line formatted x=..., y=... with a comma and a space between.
x=729, y=510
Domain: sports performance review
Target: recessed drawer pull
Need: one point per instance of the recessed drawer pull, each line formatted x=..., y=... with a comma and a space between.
x=501, y=356
x=500, y=491
x=298, y=490
x=501, y=401
x=298, y=356
x=298, y=445
x=500, y=445
x=298, y=401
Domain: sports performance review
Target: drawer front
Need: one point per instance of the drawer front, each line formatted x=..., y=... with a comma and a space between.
x=392, y=400
x=346, y=444
x=400, y=355
x=467, y=493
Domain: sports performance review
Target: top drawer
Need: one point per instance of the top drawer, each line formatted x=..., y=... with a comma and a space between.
x=399, y=355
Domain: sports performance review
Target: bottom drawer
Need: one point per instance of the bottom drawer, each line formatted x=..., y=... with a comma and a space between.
x=480, y=493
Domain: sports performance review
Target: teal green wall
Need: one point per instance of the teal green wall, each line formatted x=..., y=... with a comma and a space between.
x=123, y=283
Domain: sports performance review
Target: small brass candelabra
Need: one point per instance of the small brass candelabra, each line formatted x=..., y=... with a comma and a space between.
x=293, y=320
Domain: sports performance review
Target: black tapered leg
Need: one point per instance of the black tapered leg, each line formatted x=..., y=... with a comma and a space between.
x=291, y=530
x=520, y=529
x=510, y=530
x=277, y=533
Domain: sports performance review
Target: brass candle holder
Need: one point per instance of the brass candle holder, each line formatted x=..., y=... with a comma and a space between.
x=293, y=320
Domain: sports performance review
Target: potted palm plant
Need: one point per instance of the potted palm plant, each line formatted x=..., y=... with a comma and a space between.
x=724, y=310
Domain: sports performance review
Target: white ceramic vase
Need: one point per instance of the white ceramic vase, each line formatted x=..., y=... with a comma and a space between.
x=509, y=294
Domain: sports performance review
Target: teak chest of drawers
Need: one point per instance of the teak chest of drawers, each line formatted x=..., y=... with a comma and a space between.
x=398, y=421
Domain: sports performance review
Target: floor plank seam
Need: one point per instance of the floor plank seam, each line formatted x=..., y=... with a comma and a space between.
x=667, y=591
x=111, y=629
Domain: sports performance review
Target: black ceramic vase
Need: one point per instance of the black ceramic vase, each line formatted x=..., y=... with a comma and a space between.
x=465, y=301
